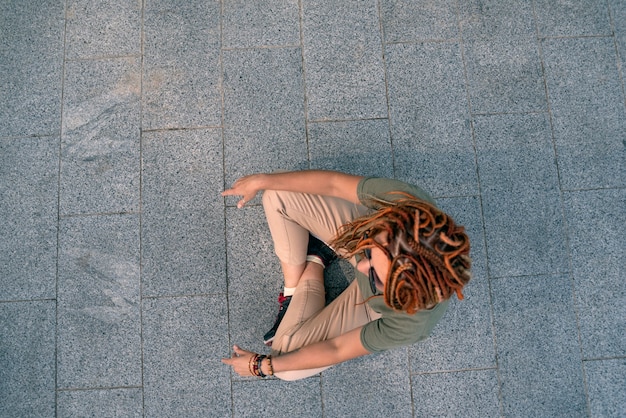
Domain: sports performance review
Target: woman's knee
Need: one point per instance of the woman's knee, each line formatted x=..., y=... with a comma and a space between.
x=269, y=199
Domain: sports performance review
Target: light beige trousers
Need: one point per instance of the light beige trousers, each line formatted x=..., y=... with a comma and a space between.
x=291, y=216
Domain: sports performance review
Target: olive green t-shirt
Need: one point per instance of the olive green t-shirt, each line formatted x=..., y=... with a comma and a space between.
x=393, y=329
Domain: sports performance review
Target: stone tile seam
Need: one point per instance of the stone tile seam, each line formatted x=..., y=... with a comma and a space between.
x=34, y=136
x=184, y=295
x=543, y=38
x=594, y=359
x=383, y=50
x=251, y=48
x=593, y=189
x=90, y=214
x=346, y=120
x=469, y=369
x=521, y=276
x=103, y=58
x=7, y=301
x=85, y=389
x=61, y=113
x=181, y=128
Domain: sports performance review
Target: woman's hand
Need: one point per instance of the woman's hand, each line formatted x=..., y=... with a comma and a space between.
x=247, y=187
x=240, y=361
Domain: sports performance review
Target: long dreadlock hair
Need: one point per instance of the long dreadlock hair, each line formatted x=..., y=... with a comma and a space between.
x=429, y=253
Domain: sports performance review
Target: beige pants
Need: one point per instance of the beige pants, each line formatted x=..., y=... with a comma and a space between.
x=291, y=216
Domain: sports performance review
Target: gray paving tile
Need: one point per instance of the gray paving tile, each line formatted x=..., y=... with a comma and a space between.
x=520, y=195
x=276, y=398
x=405, y=21
x=430, y=129
x=588, y=111
x=606, y=382
x=31, y=64
x=183, y=213
x=618, y=14
x=183, y=341
x=263, y=111
x=572, y=18
x=100, y=141
x=440, y=394
x=254, y=277
x=181, y=81
x=27, y=356
x=29, y=170
x=249, y=24
x=505, y=75
x=494, y=19
x=103, y=403
x=99, y=335
x=538, y=353
x=596, y=222
x=463, y=339
x=360, y=383
x=361, y=147
x=104, y=28
x=345, y=77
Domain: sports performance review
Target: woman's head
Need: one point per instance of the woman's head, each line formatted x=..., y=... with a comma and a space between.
x=428, y=252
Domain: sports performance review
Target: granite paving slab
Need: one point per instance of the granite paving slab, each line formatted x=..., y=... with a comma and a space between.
x=181, y=68
x=505, y=75
x=27, y=358
x=539, y=363
x=248, y=24
x=264, y=128
x=520, y=195
x=430, y=126
x=29, y=174
x=31, y=64
x=606, y=380
x=405, y=20
x=277, y=398
x=572, y=18
x=103, y=28
x=104, y=403
x=495, y=19
x=362, y=147
x=596, y=220
x=183, y=213
x=343, y=60
x=440, y=394
x=183, y=341
x=588, y=111
x=99, y=328
x=101, y=136
x=354, y=388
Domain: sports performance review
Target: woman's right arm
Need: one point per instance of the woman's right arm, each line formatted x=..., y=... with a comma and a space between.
x=327, y=183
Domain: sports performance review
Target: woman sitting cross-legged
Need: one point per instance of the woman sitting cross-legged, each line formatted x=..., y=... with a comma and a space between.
x=410, y=257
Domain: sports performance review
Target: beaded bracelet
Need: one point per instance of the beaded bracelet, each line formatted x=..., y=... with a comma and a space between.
x=251, y=364
x=259, y=361
x=270, y=368
x=255, y=363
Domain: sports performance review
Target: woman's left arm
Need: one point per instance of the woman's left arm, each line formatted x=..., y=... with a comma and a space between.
x=324, y=353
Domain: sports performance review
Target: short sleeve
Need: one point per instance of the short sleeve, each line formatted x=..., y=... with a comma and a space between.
x=371, y=189
x=399, y=329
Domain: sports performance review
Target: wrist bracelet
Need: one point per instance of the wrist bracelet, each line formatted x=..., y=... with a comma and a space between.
x=259, y=362
x=251, y=364
x=270, y=368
